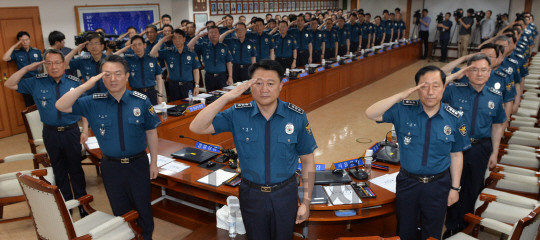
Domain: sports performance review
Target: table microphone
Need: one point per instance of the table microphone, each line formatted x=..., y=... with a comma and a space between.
x=182, y=136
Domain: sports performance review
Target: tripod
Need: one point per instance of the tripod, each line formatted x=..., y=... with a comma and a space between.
x=415, y=29
x=477, y=35
x=435, y=42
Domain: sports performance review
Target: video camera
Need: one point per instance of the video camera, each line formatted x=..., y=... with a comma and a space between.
x=417, y=15
x=479, y=15
x=499, y=17
x=458, y=13
x=81, y=38
x=440, y=18
x=520, y=16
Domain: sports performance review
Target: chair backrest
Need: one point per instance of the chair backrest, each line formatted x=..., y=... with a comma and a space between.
x=527, y=227
x=49, y=213
x=32, y=123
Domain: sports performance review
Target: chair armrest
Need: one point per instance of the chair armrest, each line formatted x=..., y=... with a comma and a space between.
x=40, y=172
x=38, y=142
x=498, y=226
x=17, y=157
x=72, y=204
x=487, y=197
x=43, y=158
x=106, y=227
x=497, y=176
x=85, y=202
x=470, y=218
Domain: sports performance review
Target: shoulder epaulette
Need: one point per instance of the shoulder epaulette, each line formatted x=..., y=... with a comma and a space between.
x=35, y=48
x=151, y=56
x=410, y=102
x=86, y=57
x=452, y=111
x=139, y=95
x=42, y=75
x=513, y=60
x=129, y=55
x=170, y=48
x=251, y=40
x=296, y=109
x=493, y=90
x=99, y=95
x=190, y=50
x=243, y=105
x=519, y=56
x=460, y=84
x=71, y=77
x=500, y=74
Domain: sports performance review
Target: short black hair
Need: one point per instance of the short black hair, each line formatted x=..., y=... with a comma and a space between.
x=479, y=57
x=392, y=14
x=277, y=15
x=315, y=19
x=53, y=51
x=229, y=15
x=470, y=10
x=511, y=35
x=385, y=11
x=212, y=27
x=151, y=26
x=283, y=21
x=361, y=14
x=267, y=64
x=241, y=23
x=258, y=20
x=194, y=25
x=114, y=59
x=56, y=36
x=132, y=27
x=354, y=15
x=368, y=14
x=427, y=69
x=341, y=18
x=491, y=46
x=93, y=36
x=184, y=21
x=268, y=14
x=425, y=10
x=379, y=17
x=95, y=30
x=22, y=33
x=137, y=37
x=397, y=9
x=210, y=22
x=167, y=25
x=179, y=31
x=166, y=16
x=272, y=20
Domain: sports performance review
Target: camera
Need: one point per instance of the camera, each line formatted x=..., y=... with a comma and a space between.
x=479, y=15
x=417, y=15
x=520, y=17
x=440, y=18
x=499, y=18
x=458, y=13
x=110, y=44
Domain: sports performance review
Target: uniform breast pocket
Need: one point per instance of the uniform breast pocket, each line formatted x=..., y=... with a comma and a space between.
x=287, y=144
x=136, y=126
x=444, y=143
x=187, y=66
x=487, y=114
x=411, y=136
x=104, y=129
x=249, y=144
x=45, y=100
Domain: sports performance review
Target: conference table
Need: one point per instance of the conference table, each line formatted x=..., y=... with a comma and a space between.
x=178, y=197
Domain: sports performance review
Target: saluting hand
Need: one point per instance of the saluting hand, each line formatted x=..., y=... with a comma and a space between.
x=18, y=43
x=92, y=81
x=238, y=90
x=203, y=34
x=405, y=94
x=167, y=38
x=34, y=66
x=82, y=45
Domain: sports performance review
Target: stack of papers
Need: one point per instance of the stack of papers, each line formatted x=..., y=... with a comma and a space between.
x=386, y=181
x=92, y=143
x=229, y=87
x=175, y=166
x=158, y=108
x=217, y=178
x=313, y=65
x=342, y=194
x=161, y=160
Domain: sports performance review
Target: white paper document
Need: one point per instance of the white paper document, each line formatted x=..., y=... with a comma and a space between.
x=342, y=194
x=229, y=87
x=91, y=140
x=92, y=145
x=203, y=95
x=216, y=178
x=175, y=166
x=161, y=160
x=159, y=108
x=386, y=181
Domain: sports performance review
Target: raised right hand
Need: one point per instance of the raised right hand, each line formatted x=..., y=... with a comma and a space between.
x=82, y=45
x=34, y=66
x=405, y=94
x=18, y=43
x=238, y=90
x=92, y=81
x=167, y=38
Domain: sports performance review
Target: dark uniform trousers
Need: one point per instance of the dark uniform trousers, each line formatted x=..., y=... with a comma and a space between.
x=179, y=90
x=128, y=188
x=316, y=56
x=285, y=62
x=444, y=49
x=150, y=92
x=364, y=43
x=329, y=53
x=354, y=47
x=64, y=150
x=424, y=35
x=378, y=41
x=387, y=38
x=394, y=38
x=426, y=202
x=475, y=161
x=269, y=215
x=302, y=58
x=342, y=50
x=240, y=72
x=214, y=82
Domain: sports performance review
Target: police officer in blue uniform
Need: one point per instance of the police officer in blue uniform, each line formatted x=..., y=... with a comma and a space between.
x=319, y=40
x=343, y=37
x=124, y=123
x=24, y=56
x=286, y=47
x=88, y=65
x=445, y=29
x=483, y=112
x=61, y=134
x=400, y=26
x=151, y=37
x=263, y=41
x=366, y=31
x=244, y=51
x=304, y=40
x=217, y=60
x=432, y=137
x=182, y=64
x=356, y=33
x=331, y=45
x=190, y=33
x=227, y=26
x=125, y=42
x=145, y=71
x=270, y=135
x=379, y=32
x=388, y=29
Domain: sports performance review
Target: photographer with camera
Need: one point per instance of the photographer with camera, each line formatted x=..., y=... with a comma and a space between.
x=445, y=27
x=424, y=30
x=465, y=31
x=488, y=27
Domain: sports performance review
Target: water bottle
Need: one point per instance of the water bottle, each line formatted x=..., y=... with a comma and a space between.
x=234, y=205
x=190, y=97
x=394, y=137
x=164, y=114
x=367, y=161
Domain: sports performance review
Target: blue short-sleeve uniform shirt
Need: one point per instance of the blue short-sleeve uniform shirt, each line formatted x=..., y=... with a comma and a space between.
x=142, y=71
x=181, y=65
x=24, y=58
x=89, y=68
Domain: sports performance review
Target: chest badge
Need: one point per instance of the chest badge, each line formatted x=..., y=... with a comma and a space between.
x=289, y=128
x=289, y=41
x=319, y=35
x=407, y=140
x=307, y=35
x=491, y=105
x=497, y=86
x=447, y=130
x=137, y=111
x=102, y=131
x=35, y=55
x=133, y=74
x=171, y=66
x=151, y=65
x=44, y=102
x=249, y=46
x=207, y=56
x=222, y=50
x=266, y=39
x=188, y=58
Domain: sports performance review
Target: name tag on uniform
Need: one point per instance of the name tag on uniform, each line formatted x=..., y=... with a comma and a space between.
x=348, y=61
x=335, y=64
x=208, y=147
x=195, y=107
x=303, y=74
x=320, y=69
x=285, y=80
x=318, y=166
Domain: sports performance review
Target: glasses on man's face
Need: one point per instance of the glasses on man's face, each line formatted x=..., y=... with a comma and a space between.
x=477, y=70
x=57, y=64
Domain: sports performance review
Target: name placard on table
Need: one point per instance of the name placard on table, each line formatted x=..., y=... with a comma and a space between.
x=335, y=64
x=208, y=147
x=303, y=74
x=320, y=69
x=348, y=61
x=196, y=107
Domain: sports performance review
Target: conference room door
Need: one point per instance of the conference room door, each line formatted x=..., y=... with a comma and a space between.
x=13, y=20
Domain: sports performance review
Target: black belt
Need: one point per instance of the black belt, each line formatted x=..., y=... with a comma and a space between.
x=148, y=89
x=342, y=45
x=182, y=83
x=303, y=51
x=424, y=178
x=269, y=188
x=242, y=65
x=282, y=58
x=478, y=140
x=126, y=159
x=216, y=74
x=61, y=129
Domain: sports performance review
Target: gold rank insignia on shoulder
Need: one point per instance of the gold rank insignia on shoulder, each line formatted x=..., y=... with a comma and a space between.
x=452, y=111
x=42, y=75
x=71, y=77
x=296, y=109
x=243, y=105
x=509, y=86
x=495, y=91
x=139, y=95
x=99, y=95
x=410, y=102
x=86, y=57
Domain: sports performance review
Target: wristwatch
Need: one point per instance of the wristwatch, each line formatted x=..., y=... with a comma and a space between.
x=197, y=85
x=457, y=189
